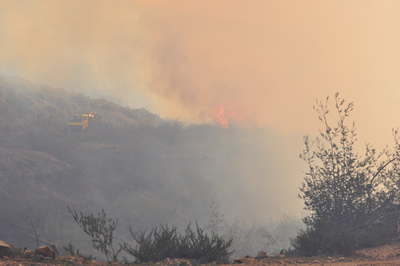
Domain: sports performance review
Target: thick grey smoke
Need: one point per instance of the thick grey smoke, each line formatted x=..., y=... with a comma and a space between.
x=169, y=62
x=255, y=70
x=183, y=60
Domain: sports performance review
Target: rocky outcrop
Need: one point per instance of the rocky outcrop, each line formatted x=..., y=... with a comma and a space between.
x=45, y=251
x=262, y=254
x=4, y=249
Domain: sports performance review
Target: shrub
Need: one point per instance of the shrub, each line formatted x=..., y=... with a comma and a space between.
x=54, y=248
x=99, y=231
x=346, y=189
x=165, y=242
x=69, y=249
x=374, y=236
x=340, y=185
x=325, y=236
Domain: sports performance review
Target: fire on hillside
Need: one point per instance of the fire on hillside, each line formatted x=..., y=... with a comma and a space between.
x=232, y=112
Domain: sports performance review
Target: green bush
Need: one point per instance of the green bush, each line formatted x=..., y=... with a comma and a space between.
x=374, y=236
x=326, y=237
x=353, y=192
x=165, y=242
x=101, y=230
x=70, y=249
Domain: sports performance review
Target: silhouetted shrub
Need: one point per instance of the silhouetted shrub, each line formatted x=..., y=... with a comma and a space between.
x=326, y=237
x=374, y=236
x=69, y=249
x=165, y=242
x=100, y=230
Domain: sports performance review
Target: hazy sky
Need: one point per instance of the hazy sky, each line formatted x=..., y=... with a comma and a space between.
x=249, y=62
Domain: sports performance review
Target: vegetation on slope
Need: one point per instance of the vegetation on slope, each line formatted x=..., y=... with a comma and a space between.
x=140, y=168
x=159, y=169
x=353, y=200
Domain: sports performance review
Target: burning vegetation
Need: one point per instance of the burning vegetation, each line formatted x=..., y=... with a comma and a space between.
x=232, y=112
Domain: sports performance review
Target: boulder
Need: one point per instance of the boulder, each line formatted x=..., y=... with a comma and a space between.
x=4, y=249
x=44, y=251
x=262, y=254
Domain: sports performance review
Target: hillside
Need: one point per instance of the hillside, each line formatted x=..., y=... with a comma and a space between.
x=45, y=166
x=142, y=169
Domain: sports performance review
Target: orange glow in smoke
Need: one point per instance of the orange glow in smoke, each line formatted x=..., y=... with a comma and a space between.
x=232, y=112
x=220, y=115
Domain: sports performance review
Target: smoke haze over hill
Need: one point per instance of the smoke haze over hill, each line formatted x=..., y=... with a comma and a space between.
x=227, y=90
x=183, y=60
x=148, y=56
x=140, y=168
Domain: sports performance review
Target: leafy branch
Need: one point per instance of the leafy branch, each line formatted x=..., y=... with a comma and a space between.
x=100, y=230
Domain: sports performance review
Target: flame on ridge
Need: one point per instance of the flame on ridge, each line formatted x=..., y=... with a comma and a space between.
x=232, y=112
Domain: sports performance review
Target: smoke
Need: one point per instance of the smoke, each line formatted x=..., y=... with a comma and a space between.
x=180, y=59
x=89, y=46
x=240, y=64
x=260, y=64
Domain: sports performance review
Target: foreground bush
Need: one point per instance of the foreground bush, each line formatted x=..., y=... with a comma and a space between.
x=324, y=236
x=357, y=194
x=337, y=239
x=165, y=242
x=101, y=230
x=375, y=236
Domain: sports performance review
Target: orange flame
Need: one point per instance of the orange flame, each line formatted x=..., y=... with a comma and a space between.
x=220, y=115
x=232, y=112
